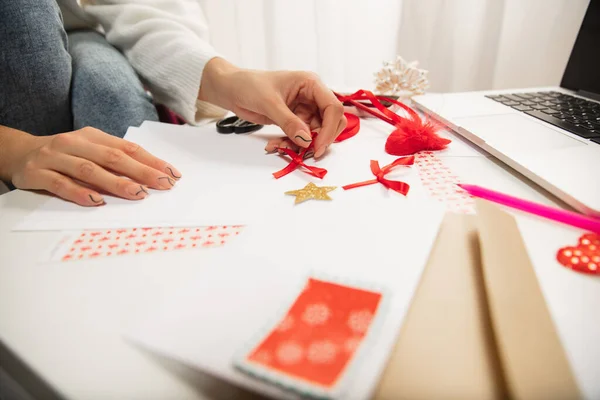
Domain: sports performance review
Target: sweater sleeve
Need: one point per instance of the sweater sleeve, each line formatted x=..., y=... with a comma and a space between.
x=167, y=43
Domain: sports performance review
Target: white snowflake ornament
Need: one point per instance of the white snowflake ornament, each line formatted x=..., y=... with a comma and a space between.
x=401, y=78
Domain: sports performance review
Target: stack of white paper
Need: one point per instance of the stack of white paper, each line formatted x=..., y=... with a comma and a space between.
x=227, y=179
x=368, y=235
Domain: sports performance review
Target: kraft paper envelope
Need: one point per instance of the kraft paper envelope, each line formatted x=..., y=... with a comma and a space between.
x=478, y=327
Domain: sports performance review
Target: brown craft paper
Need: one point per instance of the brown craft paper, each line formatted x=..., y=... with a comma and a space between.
x=445, y=349
x=532, y=358
x=478, y=327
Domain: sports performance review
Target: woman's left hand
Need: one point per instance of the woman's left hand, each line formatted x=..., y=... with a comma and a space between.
x=298, y=102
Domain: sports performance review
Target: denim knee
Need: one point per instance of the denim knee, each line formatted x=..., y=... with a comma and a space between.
x=106, y=92
x=36, y=67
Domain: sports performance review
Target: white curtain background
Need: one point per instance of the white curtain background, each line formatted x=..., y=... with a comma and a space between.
x=465, y=44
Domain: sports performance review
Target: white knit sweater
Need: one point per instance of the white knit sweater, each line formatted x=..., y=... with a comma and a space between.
x=166, y=42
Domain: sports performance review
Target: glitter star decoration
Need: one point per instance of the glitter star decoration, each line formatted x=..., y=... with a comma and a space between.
x=311, y=191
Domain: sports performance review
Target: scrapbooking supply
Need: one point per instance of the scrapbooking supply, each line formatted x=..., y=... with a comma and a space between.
x=311, y=192
x=352, y=128
x=554, y=214
x=441, y=183
x=584, y=257
x=310, y=348
x=411, y=137
x=89, y=245
x=236, y=125
x=297, y=161
x=412, y=134
x=380, y=173
x=401, y=78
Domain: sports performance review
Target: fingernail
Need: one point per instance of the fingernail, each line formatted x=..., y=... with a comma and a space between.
x=138, y=191
x=165, y=182
x=302, y=138
x=308, y=154
x=174, y=172
x=321, y=151
x=96, y=200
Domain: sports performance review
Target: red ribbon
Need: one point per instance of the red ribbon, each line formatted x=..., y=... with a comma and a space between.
x=398, y=186
x=298, y=161
x=384, y=114
x=351, y=129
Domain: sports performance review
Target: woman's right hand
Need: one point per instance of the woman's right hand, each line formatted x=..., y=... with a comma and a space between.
x=79, y=165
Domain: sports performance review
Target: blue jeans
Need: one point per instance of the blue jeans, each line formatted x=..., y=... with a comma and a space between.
x=53, y=81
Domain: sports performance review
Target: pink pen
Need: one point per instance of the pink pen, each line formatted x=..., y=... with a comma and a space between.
x=555, y=214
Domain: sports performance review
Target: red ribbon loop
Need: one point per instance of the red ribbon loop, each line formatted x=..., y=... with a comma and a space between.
x=398, y=186
x=298, y=161
x=351, y=129
x=385, y=114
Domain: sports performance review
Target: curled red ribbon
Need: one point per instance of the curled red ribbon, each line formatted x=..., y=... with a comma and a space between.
x=298, y=161
x=398, y=186
x=384, y=113
x=351, y=129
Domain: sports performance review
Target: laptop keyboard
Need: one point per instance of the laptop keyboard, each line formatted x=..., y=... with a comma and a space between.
x=573, y=114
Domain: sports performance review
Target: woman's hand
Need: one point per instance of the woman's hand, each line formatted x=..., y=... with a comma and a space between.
x=296, y=101
x=78, y=165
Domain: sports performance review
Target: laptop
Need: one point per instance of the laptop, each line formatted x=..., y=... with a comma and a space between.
x=550, y=135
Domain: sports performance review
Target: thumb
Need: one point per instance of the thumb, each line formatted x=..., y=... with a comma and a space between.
x=292, y=126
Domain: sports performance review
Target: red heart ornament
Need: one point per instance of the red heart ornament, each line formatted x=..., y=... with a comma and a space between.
x=585, y=257
x=411, y=137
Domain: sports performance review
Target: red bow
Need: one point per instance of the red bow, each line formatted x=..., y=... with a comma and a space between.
x=398, y=186
x=351, y=129
x=298, y=161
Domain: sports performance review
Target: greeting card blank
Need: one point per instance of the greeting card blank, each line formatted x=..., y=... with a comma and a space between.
x=237, y=292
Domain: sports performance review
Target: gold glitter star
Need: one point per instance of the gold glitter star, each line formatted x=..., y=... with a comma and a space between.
x=311, y=191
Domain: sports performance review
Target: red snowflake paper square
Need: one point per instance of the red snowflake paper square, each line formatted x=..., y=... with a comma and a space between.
x=311, y=347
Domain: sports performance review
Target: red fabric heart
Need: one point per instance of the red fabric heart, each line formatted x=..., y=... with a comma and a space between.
x=411, y=137
x=585, y=257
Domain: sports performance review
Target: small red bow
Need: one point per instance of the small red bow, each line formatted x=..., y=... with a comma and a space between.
x=398, y=186
x=298, y=161
x=351, y=129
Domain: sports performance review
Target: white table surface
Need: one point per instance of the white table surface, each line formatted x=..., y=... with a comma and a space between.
x=64, y=321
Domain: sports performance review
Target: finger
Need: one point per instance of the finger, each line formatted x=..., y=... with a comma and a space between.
x=108, y=157
x=273, y=144
x=133, y=150
x=292, y=126
x=90, y=173
x=342, y=125
x=293, y=146
x=309, y=154
x=251, y=116
x=332, y=112
x=285, y=144
x=63, y=187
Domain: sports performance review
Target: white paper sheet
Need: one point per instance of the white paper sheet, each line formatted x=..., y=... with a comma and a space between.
x=227, y=179
x=573, y=298
x=235, y=293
